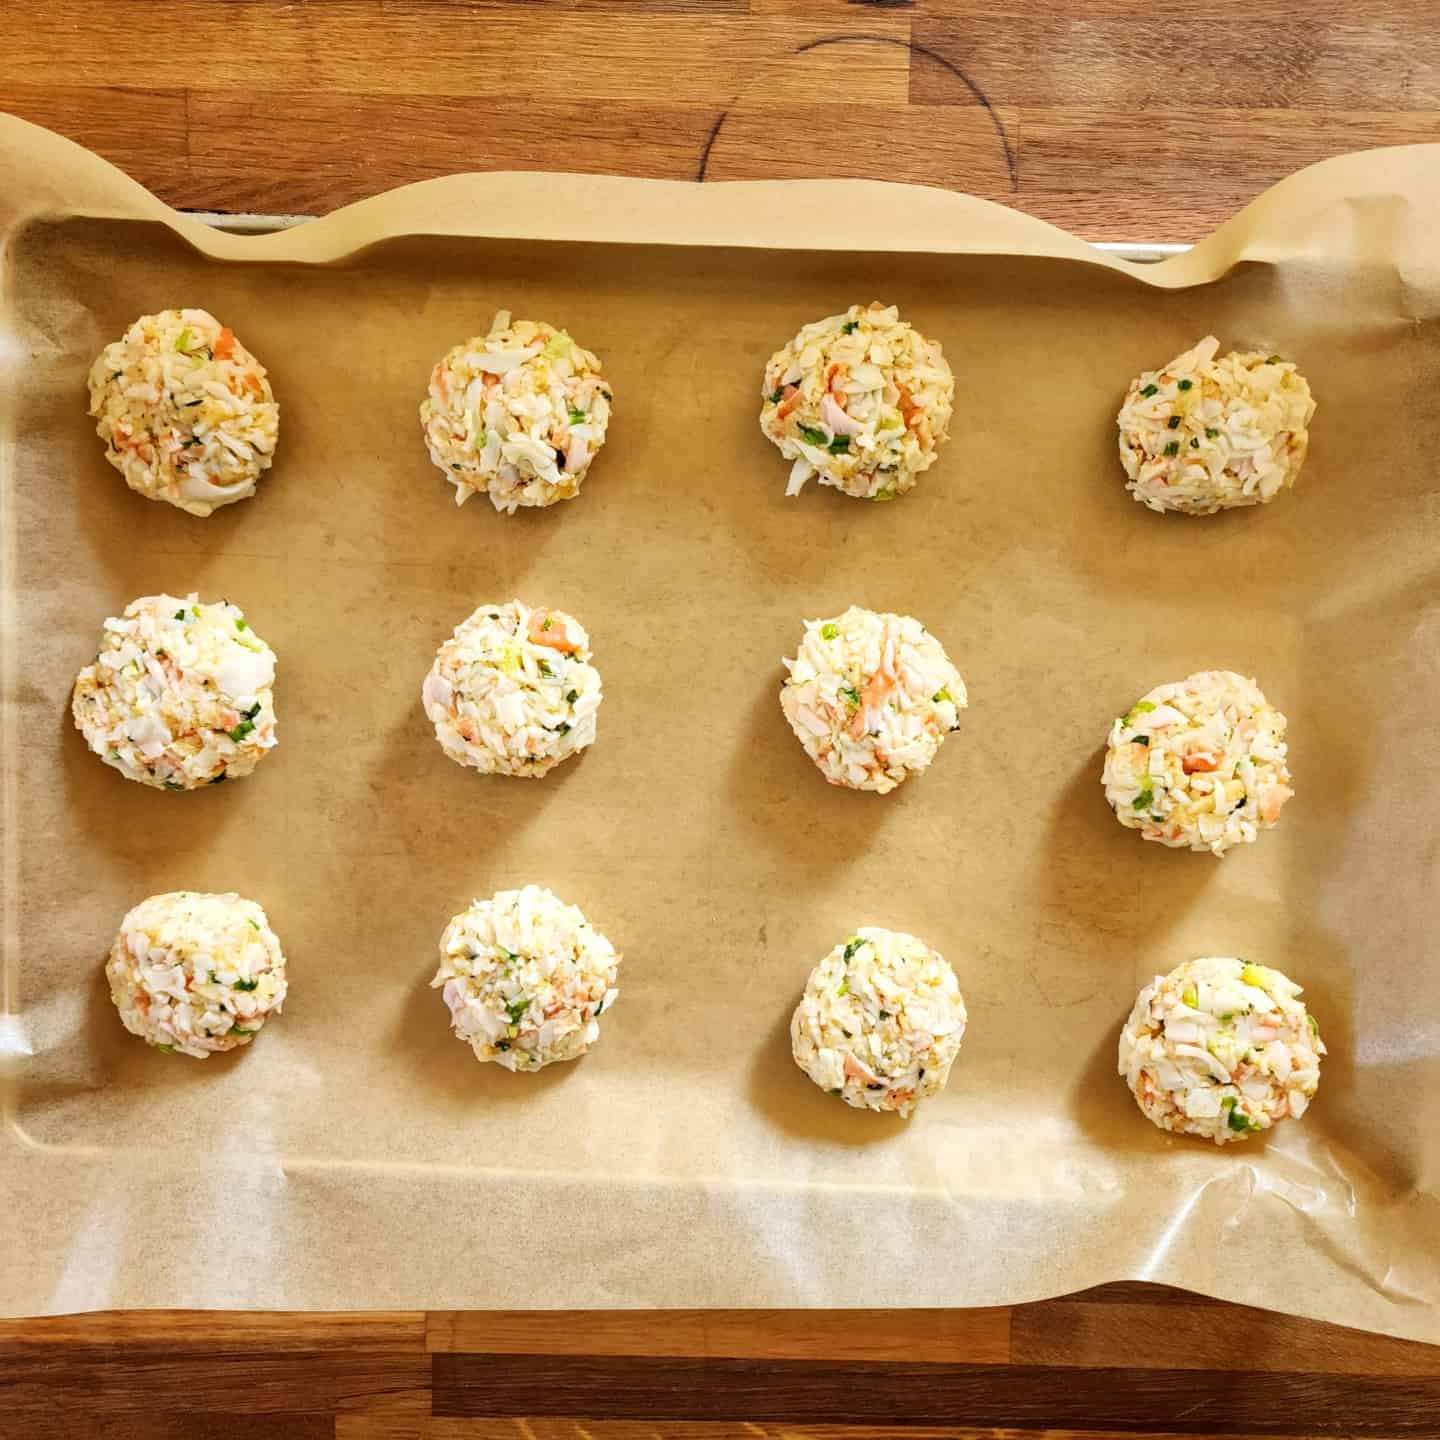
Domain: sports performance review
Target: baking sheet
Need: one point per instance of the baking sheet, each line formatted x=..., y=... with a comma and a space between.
x=356, y=1156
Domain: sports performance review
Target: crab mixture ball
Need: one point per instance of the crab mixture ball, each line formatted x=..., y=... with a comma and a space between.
x=526, y=978
x=517, y=415
x=880, y=1022
x=1222, y=1049
x=871, y=697
x=861, y=401
x=1199, y=764
x=1207, y=433
x=194, y=974
x=180, y=695
x=513, y=691
x=185, y=411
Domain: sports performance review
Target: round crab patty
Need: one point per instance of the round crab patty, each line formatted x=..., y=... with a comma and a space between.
x=871, y=697
x=518, y=415
x=194, y=974
x=1214, y=432
x=1221, y=1049
x=1199, y=764
x=880, y=1022
x=859, y=401
x=526, y=978
x=180, y=695
x=513, y=691
x=185, y=410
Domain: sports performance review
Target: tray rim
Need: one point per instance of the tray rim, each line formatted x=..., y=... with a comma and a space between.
x=252, y=222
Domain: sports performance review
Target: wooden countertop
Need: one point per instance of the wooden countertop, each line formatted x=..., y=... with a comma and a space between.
x=1116, y=119
x=1132, y=1359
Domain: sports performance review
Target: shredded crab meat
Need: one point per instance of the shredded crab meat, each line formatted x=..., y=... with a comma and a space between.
x=185, y=410
x=513, y=691
x=181, y=694
x=861, y=401
x=518, y=415
x=871, y=697
x=1213, y=432
x=880, y=1022
x=1221, y=1049
x=195, y=974
x=525, y=978
x=1199, y=764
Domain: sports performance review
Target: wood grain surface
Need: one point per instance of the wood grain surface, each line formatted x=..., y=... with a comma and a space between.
x=1124, y=1359
x=1116, y=119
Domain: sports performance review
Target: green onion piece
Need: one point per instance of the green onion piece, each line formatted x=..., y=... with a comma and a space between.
x=852, y=696
x=776, y=396
x=1185, y=384
x=834, y=1092
x=1274, y=360
x=576, y=417
x=1173, y=448
x=839, y=445
x=1148, y=391
x=843, y=987
x=849, y=327
x=1142, y=800
x=168, y=1049
x=1236, y=1118
x=1139, y=739
x=183, y=339
x=852, y=946
x=546, y=623
x=173, y=785
x=941, y=695
x=544, y=668
x=884, y=1014
x=572, y=696
x=242, y=625
x=179, y=614
x=1314, y=1025
x=240, y=1030
x=1194, y=444
x=1173, y=422
x=829, y=631
x=219, y=779
x=1191, y=997
x=1210, y=432
x=515, y=1009
x=812, y=436
x=241, y=730
x=247, y=984
x=252, y=924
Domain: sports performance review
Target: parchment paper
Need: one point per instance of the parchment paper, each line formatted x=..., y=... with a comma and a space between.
x=356, y=1155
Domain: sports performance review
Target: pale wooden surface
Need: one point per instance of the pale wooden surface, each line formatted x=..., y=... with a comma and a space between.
x=1118, y=120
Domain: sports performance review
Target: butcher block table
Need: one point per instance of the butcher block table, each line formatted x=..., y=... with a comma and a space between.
x=1115, y=119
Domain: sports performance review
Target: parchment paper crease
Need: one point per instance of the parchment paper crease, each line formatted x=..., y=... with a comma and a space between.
x=356, y=1156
